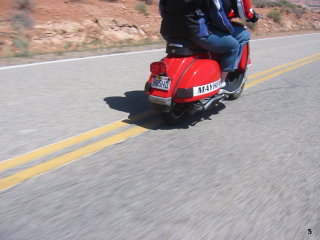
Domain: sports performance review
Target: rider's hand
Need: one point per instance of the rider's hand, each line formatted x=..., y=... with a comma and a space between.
x=255, y=17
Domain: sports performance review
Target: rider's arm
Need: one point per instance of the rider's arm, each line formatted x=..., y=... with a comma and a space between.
x=245, y=11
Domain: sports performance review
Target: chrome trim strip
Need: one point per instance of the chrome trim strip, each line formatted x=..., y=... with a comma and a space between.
x=175, y=45
x=160, y=100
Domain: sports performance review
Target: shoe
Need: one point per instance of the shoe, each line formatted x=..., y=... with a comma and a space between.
x=223, y=84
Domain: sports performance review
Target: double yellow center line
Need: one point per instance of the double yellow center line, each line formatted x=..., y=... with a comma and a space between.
x=262, y=76
x=30, y=172
x=77, y=154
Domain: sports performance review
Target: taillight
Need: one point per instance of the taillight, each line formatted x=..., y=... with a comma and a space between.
x=158, y=68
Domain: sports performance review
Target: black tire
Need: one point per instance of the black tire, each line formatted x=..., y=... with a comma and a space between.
x=235, y=83
x=237, y=93
x=176, y=115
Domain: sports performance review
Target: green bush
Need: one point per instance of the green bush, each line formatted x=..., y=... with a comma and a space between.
x=251, y=26
x=141, y=7
x=285, y=3
x=21, y=21
x=23, y=4
x=285, y=6
x=22, y=44
x=265, y=4
x=148, y=2
x=289, y=7
x=275, y=15
x=296, y=11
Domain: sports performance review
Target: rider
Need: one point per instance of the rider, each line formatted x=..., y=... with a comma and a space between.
x=205, y=22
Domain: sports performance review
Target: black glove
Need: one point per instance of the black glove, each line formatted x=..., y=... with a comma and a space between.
x=255, y=17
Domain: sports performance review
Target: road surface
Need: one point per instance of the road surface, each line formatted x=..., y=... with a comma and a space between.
x=83, y=157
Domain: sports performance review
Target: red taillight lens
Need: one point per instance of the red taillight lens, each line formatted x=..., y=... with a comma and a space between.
x=158, y=68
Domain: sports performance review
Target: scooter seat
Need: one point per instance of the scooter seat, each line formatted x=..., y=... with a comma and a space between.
x=183, y=47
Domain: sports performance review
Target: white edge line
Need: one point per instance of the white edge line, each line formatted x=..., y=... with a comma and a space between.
x=298, y=35
x=121, y=54
x=79, y=59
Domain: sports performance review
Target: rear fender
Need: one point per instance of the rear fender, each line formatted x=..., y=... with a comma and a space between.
x=203, y=76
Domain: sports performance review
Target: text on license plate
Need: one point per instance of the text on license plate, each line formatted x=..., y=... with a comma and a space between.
x=161, y=82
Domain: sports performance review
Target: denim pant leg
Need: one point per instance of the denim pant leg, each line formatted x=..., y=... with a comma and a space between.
x=223, y=44
x=243, y=36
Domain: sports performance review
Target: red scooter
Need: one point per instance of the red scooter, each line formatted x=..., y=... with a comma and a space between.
x=188, y=80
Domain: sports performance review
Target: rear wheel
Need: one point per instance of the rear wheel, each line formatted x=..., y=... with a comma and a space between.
x=176, y=115
x=235, y=83
x=236, y=94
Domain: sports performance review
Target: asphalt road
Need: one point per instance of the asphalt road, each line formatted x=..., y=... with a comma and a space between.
x=248, y=169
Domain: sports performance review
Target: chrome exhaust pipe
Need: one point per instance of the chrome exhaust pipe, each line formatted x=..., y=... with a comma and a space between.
x=214, y=99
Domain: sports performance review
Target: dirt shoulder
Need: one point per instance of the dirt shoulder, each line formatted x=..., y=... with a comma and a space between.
x=69, y=55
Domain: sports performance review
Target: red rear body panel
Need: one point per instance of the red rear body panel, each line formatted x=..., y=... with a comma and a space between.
x=200, y=73
x=188, y=72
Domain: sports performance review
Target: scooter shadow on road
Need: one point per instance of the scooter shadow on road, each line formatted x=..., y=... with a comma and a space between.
x=136, y=104
x=133, y=102
x=193, y=120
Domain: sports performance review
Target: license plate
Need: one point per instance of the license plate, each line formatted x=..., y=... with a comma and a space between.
x=161, y=82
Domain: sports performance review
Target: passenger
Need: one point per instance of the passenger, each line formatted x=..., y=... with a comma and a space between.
x=205, y=23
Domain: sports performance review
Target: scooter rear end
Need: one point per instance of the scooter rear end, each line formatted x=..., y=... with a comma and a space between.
x=188, y=80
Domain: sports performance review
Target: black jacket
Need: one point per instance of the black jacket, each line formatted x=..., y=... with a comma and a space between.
x=183, y=18
x=193, y=19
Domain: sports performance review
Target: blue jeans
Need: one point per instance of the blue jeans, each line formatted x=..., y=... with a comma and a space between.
x=228, y=46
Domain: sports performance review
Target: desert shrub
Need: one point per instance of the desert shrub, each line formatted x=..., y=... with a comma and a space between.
x=251, y=26
x=148, y=2
x=95, y=42
x=299, y=12
x=21, y=20
x=285, y=6
x=296, y=11
x=24, y=4
x=22, y=44
x=265, y=4
x=286, y=3
x=275, y=15
x=67, y=45
x=109, y=0
x=289, y=7
x=141, y=7
x=314, y=27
